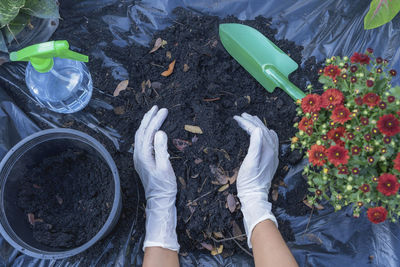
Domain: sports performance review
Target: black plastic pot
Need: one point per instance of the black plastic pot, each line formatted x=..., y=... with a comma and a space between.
x=32, y=150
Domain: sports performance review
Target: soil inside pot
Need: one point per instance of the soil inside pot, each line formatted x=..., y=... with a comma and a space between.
x=67, y=198
x=206, y=89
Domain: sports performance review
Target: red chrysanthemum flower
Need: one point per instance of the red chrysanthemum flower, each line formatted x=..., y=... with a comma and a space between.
x=332, y=97
x=388, y=184
x=350, y=136
x=317, y=155
x=341, y=114
x=370, y=83
x=355, y=150
x=379, y=60
x=398, y=113
x=375, y=131
x=358, y=100
x=311, y=103
x=309, y=131
x=364, y=120
x=338, y=155
x=355, y=171
x=387, y=139
x=389, y=125
x=377, y=214
x=332, y=71
x=365, y=188
x=391, y=99
x=336, y=134
x=305, y=123
x=397, y=162
x=393, y=72
x=353, y=79
x=318, y=192
x=370, y=50
x=371, y=99
x=360, y=58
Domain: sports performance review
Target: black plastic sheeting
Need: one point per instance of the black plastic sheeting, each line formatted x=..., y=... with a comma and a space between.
x=324, y=28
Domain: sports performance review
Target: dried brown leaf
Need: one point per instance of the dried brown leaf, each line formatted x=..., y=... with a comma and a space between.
x=223, y=188
x=275, y=195
x=282, y=183
x=207, y=246
x=119, y=110
x=31, y=218
x=180, y=144
x=170, y=69
x=158, y=43
x=211, y=99
x=198, y=161
x=314, y=238
x=185, y=67
x=218, y=234
x=231, y=202
x=168, y=54
x=217, y=251
x=319, y=207
x=305, y=201
x=222, y=178
x=182, y=181
x=233, y=178
x=194, y=176
x=237, y=232
x=121, y=87
x=36, y=186
x=193, y=129
x=248, y=98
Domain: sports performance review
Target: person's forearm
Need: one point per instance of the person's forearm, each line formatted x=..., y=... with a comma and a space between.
x=269, y=248
x=157, y=256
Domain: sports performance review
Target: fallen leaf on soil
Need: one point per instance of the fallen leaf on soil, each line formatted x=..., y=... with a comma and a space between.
x=192, y=209
x=188, y=233
x=207, y=246
x=159, y=43
x=36, y=186
x=119, y=110
x=193, y=129
x=223, y=188
x=185, y=67
x=170, y=69
x=194, y=176
x=121, y=87
x=156, y=85
x=181, y=144
x=218, y=235
x=218, y=250
x=233, y=178
x=230, y=200
x=319, y=207
x=168, y=55
x=282, y=183
x=182, y=181
x=144, y=85
x=222, y=178
x=248, y=98
x=59, y=199
x=198, y=161
x=237, y=232
x=275, y=195
x=31, y=218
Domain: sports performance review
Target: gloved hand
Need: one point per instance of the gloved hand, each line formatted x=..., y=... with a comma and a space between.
x=152, y=163
x=256, y=173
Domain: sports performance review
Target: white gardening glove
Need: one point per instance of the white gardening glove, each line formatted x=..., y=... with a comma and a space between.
x=256, y=173
x=152, y=163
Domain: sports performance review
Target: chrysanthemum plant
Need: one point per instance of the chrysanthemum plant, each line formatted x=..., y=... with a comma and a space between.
x=350, y=134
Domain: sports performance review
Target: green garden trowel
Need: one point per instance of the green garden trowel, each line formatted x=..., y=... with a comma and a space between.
x=260, y=57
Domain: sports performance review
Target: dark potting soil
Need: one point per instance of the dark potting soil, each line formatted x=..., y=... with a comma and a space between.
x=206, y=89
x=67, y=198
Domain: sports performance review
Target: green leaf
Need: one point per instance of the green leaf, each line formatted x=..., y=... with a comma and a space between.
x=395, y=91
x=9, y=10
x=324, y=79
x=16, y=26
x=45, y=9
x=381, y=12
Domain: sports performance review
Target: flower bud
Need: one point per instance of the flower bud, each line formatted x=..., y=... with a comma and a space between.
x=373, y=121
x=338, y=207
x=299, y=112
x=325, y=87
x=365, y=112
x=308, y=115
x=361, y=74
x=382, y=158
x=392, y=143
x=292, y=146
x=349, y=187
x=397, y=102
x=296, y=124
x=350, y=179
x=348, y=126
x=328, y=61
x=393, y=220
x=324, y=126
x=301, y=133
x=323, y=131
x=345, y=58
x=387, y=94
x=318, y=142
x=309, y=86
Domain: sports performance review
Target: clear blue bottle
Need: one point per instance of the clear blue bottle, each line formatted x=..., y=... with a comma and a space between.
x=56, y=76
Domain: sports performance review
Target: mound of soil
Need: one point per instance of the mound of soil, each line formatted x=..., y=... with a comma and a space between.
x=67, y=198
x=206, y=89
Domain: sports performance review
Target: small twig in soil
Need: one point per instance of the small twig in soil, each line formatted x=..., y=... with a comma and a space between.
x=227, y=239
x=200, y=197
x=245, y=250
x=309, y=220
x=156, y=92
x=154, y=64
x=202, y=185
x=15, y=38
x=285, y=142
x=211, y=99
x=177, y=22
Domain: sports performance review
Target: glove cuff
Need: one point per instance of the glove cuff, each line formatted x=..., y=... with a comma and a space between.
x=161, y=227
x=255, y=208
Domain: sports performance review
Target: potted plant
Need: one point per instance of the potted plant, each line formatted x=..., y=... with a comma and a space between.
x=350, y=134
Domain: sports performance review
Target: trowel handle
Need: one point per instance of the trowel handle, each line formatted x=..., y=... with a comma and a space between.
x=282, y=81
